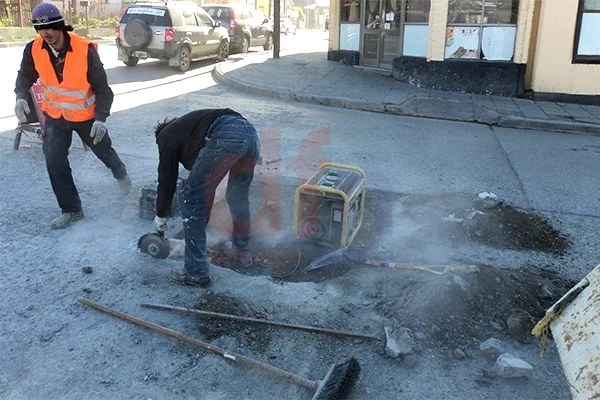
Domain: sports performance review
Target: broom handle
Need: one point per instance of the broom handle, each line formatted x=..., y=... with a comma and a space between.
x=261, y=321
x=227, y=354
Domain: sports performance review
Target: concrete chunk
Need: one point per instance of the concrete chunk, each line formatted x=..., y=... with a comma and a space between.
x=492, y=348
x=509, y=366
x=398, y=343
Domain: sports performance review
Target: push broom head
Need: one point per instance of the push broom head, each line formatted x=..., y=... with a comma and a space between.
x=339, y=381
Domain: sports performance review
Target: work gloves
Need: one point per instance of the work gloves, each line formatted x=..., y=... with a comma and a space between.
x=21, y=110
x=98, y=131
x=160, y=224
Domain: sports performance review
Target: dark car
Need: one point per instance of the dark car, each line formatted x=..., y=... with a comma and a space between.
x=180, y=32
x=246, y=25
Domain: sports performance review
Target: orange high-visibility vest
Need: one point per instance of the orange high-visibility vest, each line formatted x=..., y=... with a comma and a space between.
x=72, y=98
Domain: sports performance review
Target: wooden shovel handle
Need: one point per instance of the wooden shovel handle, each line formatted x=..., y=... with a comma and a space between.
x=260, y=321
x=227, y=354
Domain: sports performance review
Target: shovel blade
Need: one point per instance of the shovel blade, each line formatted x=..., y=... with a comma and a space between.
x=334, y=257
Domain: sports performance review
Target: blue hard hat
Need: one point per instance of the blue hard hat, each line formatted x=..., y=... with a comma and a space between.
x=45, y=14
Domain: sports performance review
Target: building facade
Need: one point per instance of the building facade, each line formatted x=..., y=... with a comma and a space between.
x=550, y=48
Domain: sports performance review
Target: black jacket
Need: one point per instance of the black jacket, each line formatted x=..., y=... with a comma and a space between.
x=96, y=76
x=180, y=142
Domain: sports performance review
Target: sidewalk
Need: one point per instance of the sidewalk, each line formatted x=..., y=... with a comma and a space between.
x=310, y=78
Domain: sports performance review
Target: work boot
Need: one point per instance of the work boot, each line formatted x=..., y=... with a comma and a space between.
x=181, y=276
x=66, y=219
x=125, y=185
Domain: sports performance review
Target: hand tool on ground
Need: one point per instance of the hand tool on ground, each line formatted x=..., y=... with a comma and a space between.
x=260, y=321
x=337, y=383
x=342, y=255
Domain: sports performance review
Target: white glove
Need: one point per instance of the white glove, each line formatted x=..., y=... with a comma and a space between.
x=160, y=224
x=21, y=110
x=98, y=131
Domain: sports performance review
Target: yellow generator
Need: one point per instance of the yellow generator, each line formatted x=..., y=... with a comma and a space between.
x=330, y=205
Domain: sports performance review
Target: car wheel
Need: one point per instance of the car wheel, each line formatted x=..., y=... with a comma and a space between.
x=245, y=45
x=223, y=51
x=132, y=62
x=137, y=34
x=185, y=58
x=269, y=44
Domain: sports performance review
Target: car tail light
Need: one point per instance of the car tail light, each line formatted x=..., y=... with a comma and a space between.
x=118, y=31
x=232, y=24
x=169, y=35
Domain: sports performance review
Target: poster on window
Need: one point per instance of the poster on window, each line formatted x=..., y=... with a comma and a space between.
x=589, y=44
x=498, y=43
x=462, y=42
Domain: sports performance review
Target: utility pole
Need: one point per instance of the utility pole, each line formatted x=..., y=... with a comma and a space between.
x=20, y=14
x=277, y=27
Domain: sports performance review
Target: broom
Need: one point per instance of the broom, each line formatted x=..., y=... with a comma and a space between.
x=336, y=385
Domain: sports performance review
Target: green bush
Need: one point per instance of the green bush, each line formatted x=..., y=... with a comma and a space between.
x=7, y=22
x=79, y=22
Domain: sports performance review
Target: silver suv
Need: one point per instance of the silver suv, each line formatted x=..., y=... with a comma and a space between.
x=178, y=31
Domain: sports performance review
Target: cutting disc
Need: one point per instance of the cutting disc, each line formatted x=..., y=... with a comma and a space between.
x=155, y=245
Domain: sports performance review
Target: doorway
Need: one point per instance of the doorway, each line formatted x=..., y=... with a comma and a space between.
x=381, y=32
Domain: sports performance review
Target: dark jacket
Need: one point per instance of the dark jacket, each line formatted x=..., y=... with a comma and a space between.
x=180, y=142
x=96, y=76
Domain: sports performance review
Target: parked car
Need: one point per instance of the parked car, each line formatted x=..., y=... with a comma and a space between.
x=246, y=25
x=180, y=32
x=287, y=26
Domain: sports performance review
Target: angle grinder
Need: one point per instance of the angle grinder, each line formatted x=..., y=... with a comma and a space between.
x=154, y=244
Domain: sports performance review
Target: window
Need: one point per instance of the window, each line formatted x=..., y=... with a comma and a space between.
x=219, y=13
x=203, y=18
x=190, y=18
x=416, y=28
x=350, y=11
x=151, y=16
x=482, y=29
x=587, y=32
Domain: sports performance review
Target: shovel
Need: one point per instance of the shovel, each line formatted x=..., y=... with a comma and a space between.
x=341, y=255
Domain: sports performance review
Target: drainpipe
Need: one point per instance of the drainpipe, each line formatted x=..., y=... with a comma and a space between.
x=530, y=61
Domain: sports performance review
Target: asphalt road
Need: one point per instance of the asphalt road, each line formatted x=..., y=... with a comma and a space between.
x=148, y=73
x=57, y=349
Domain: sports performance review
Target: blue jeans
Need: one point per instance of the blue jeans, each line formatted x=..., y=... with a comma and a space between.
x=233, y=146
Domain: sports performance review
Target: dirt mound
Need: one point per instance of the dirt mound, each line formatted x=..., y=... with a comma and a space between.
x=507, y=227
x=255, y=336
x=485, y=219
x=462, y=310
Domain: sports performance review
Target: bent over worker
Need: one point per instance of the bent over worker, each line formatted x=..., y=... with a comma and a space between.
x=76, y=97
x=209, y=143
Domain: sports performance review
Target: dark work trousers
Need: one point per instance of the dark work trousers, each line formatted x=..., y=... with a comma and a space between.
x=233, y=147
x=57, y=141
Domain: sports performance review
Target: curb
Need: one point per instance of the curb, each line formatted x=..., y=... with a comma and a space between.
x=411, y=107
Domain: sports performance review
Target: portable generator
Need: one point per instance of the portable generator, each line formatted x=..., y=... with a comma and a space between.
x=330, y=205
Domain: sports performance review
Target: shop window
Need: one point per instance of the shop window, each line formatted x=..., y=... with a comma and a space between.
x=587, y=32
x=350, y=11
x=350, y=25
x=481, y=30
x=416, y=28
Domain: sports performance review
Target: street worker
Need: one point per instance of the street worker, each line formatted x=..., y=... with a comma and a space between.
x=209, y=143
x=75, y=97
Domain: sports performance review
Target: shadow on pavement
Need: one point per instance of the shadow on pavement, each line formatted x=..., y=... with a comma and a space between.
x=150, y=71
